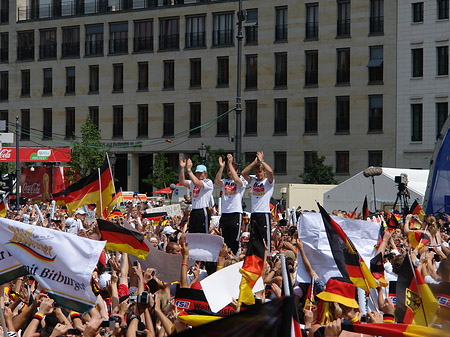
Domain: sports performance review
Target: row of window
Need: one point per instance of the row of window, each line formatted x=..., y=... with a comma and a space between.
x=417, y=10
x=441, y=61
x=417, y=119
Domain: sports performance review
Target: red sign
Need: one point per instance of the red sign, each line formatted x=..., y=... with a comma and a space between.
x=35, y=154
x=41, y=183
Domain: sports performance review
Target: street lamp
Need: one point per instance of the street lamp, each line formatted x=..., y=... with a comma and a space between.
x=113, y=159
x=202, y=151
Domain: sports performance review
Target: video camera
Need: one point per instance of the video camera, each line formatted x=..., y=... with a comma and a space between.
x=401, y=181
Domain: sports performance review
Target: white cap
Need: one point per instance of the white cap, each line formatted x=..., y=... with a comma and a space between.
x=80, y=211
x=168, y=230
x=104, y=278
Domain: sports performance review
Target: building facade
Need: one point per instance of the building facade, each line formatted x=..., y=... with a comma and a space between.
x=423, y=81
x=158, y=75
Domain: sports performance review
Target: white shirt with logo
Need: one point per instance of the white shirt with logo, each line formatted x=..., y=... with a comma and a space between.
x=261, y=193
x=232, y=195
x=201, y=196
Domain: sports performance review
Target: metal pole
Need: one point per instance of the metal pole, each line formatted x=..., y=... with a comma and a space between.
x=17, y=166
x=374, y=198
x=238, y=140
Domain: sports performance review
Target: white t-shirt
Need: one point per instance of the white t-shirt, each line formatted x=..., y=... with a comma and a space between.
x=261, y=193
x=232, y=195
x=201, y=196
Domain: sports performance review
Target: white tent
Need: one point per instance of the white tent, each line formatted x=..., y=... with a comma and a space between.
x=350, y=193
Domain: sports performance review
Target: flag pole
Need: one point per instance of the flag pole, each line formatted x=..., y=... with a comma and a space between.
x=418, y=289
x=312, y=291
x=285, y=275
x=100, y=191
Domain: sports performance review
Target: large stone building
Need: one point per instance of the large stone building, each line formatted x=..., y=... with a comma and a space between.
x=316, y=76
x=423, y=81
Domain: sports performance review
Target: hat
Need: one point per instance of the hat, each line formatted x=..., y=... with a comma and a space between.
x=245, y=236
x=80, y=211
x=168, y=230
x=104, y=279
x=153, y=239
x=200, y=168
x=339, y=290
x=289, y=253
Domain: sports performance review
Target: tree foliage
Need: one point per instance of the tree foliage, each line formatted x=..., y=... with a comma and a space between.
x=162, y=176
x=87, y=155
x=318, y=172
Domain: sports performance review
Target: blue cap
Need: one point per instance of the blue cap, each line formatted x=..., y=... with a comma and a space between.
x=200, y=168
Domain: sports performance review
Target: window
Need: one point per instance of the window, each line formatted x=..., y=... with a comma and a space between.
x=343, y=23
x=442, y=8
x=308, y=159
x=4, y=14
x=93, y=114
x=47, y=48
x=169, y=74
x=311, y=67
x=280, y=117
x=417, y=12
x=375, y=113
x=416, y=111
x=376, y=158
x=312, y=21
x=196, y=73
x=281, y=24
x=376, y=64
x=223, y=29
x=442, y=60
x=280, y=162
x=70, y=123
x=4, y=85
x=4, y=47
x=117, y=121
x=417, y=62
x=249, y=157
x=4, y=117
x=251, y=73
x=143, y=36
x=311, y=115
x=71, y=42
x=251, y=118
x=222, y=71
x=343, y=66
x=25, y=45
x=195, y=121
x=169, y=121
x=25, y=83
x=343, y=114
x=169, y=33
x=280, y=69
x=143, y=76
x=441, y=116
x=48, y=81
x=93, y=79
x=342, y=162
x=94, y=40
x=70, y=80
x=376, y=17
x=251, y=26
x=222, y=122
x=143, y=121
x=25, y=124
x=47, y=127
x=195, y=31
x=118, y=77
x=118, y=38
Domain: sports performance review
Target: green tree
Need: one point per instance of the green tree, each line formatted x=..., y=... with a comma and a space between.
x=211, y=161
x=162, y=176
x=318, y=172
x=87, y=155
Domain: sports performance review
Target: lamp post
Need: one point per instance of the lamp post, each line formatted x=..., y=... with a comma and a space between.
x=202, y=151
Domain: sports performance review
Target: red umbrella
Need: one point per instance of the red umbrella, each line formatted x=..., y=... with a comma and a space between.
x=166, y=190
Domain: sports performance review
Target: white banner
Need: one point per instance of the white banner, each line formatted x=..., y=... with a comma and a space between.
x=172, y=210
x=62, y=263
x=364, y=234
x=10, y=267
x=204, y=247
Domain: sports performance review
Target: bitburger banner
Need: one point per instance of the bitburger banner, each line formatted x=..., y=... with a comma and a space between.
x=61, y=262
x=10, y=268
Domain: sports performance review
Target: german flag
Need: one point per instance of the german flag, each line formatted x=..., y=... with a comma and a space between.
x=117, y=199
x=2, y=207
x=155, y=217
x=394, y=330
x=274, y=209
x=377, y=269
x=416, y=303
x=392, y=223
x=417, y=210
x=349, y=262
x=107, y=187
x=123, y=240
x=352, y=215
x=253, y=266
x=115, y=213
x=418, y=239
x=365, y=209
x=442, y=293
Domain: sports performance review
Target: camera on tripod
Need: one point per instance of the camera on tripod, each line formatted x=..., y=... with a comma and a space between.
x=402, y=181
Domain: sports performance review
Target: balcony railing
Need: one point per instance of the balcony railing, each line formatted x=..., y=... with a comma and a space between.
x=343, y=28
x=168, y=129
x=343, y=76
x=251, y=34
x=251, y=81
x=94, y=48
x=70, y=130
x=169, y=41
x=71, y=49
x=25, y=53
x=168, y=84
x=142, y=130
x=196, y=40
x=47, y=51
x=223, y=37
x=311, y=78
x=281, y=33
x=377, y=25
x=195, y=83
x=280, y=79
x=118, y=46
x=117, y=130
x=312, y=30
x=143, y=43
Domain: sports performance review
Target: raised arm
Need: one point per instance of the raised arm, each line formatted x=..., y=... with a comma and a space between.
x=181, y=179
x=197, y=182
x=267, y=168
x=218, y=180
x=233, y=172
x=246, y=171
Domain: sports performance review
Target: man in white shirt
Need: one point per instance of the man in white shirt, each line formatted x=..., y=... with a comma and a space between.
x=233, y=189
x=262, y=184
x=201, y=189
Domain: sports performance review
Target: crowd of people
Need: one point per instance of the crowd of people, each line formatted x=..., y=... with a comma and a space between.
x=132, y=301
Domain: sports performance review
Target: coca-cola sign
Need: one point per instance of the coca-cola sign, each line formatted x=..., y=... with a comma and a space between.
x=34, y=188
x=35, y=155
x=5, y=154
